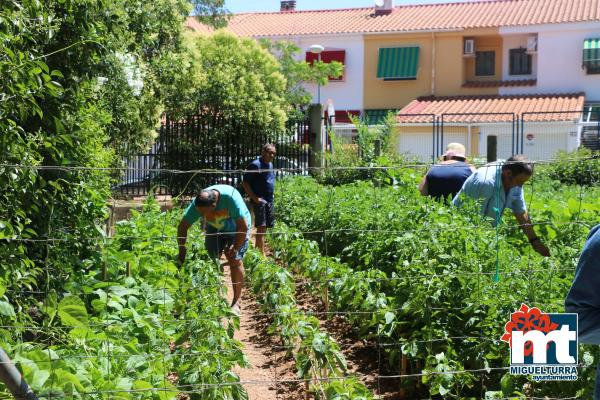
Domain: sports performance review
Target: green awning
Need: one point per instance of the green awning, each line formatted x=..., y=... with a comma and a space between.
x=376, y=117
x=398, y=63
x=591, y=53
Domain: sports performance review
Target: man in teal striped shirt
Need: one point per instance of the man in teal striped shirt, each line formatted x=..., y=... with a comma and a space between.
x=228, y=224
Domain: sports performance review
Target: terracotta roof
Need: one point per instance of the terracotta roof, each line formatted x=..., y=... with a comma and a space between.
x=194, y=25
x=447, y=16
x=495, y=108
x=486, y=84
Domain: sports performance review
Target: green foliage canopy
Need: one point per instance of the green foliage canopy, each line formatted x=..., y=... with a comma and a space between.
x=235, y=79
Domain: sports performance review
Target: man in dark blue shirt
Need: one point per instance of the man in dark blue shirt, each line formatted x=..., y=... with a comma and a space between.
x=446, y=178
x=259, y=183
x=584, y=296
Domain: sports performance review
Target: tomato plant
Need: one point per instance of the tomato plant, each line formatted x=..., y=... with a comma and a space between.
x=423, y=275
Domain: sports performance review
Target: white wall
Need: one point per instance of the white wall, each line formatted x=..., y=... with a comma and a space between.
x=346, y=94
x=542, y=141
x=559, y=57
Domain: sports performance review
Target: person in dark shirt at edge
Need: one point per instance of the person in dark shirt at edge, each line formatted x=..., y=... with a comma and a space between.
x=260, y=186
x=446, y=178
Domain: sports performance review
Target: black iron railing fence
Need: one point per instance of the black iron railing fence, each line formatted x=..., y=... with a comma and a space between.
x=220, y=147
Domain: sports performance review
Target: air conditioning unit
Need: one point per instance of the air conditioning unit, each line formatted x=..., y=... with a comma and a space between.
x=469, y=49
x=531, y=44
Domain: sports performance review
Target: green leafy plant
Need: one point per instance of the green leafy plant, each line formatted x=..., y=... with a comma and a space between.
x=421, y=274
x=580, y=167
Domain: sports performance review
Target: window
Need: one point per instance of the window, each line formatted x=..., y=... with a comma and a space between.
x=485, y=63
x=591, y=56
x=593, y=70
x=520, y=62
x=328, y=56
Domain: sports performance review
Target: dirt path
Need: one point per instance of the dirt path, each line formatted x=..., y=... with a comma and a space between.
x=268, y=362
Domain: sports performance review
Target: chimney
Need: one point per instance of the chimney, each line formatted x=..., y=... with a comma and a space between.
x=383, y=6
x=288, y=5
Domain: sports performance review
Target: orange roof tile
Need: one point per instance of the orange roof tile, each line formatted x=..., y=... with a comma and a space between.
x=447, y=16
x=511, y=83
x=494, y=108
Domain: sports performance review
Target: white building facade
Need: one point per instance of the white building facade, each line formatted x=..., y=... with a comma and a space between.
x=557, y=63
x=346, y=94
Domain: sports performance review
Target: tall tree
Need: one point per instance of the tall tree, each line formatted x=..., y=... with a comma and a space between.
x=81, y=79
x=236, y=79
x=211, y=12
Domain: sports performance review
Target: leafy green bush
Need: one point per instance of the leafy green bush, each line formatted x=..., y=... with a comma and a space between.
x=79, y=86
x=143, y=328
x=351, y=162
x=581, y=167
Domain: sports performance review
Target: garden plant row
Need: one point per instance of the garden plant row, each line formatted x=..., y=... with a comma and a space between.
x=407, y=270
x=145, y=330
x=317, y=355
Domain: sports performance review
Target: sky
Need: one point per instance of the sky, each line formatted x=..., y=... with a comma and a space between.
x=240, y=6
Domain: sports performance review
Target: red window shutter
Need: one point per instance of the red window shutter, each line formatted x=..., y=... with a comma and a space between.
x=343, y=117
x=311, y=57
x=327, y=57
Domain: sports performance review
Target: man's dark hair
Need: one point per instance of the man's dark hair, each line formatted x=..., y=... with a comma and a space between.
x=206, y=198
x=518, y=164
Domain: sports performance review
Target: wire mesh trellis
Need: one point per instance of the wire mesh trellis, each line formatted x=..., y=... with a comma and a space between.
x=164, y=323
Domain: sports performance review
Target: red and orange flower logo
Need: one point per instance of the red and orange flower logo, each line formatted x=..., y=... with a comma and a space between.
x=525, y=320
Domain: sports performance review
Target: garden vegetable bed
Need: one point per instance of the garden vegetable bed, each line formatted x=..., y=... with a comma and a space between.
x=429, y=286
x=406, y=270
x=146, y=329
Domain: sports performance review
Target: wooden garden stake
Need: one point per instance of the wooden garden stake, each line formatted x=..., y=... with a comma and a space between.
x=403, y=369
x=418, y=366
x=104, y=271
x=326, y=299
x=128, y=269
x=306, y=389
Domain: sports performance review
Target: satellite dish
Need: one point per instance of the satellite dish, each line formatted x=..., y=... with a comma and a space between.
x=379, y=3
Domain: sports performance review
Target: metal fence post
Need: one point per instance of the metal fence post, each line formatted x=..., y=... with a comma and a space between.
x=492, y=148
x=12, y=378
x=315, y=129
x=377, y=149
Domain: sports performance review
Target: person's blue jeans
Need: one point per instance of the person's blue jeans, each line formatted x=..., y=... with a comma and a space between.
x=215, y=242
x=584, y=296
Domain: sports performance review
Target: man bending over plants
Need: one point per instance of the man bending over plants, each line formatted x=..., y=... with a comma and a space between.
x=227, y=229
x=498, y=186
x=584, y=297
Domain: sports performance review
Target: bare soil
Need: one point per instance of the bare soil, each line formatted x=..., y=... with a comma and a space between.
x=271, y=369
x=271, y=374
